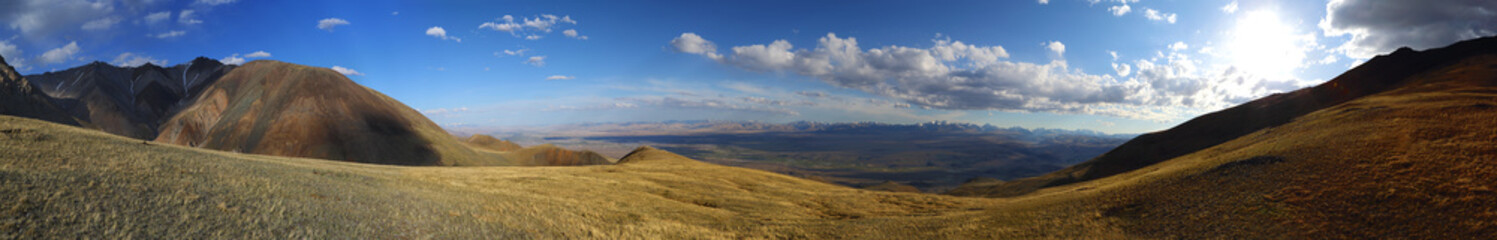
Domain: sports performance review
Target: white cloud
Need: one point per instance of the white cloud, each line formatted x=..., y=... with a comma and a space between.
x=61, y=54
x=1155, y=15
x=1120, y=10
x=538, y=61
x=438, y=32
x=1329, y=59
x=1114, y=55
x=158, y=17
x=129, y=59
x=1122, y=69
x=1043, y=2
x=1179, y=46
x=1230, y=8
x=573, y=34
x=101, y=24
x=347, y=71
x=232, y=60
x=329, y=23
x=559, y=77
x=1377, y=27
x=258, y=54
x=693, y=44
x=188, y=17
x=532, y=28
x=214, y=2
x=170, y=34
x=397, y=13
x=1056, y=47
x=507, y=52
x=236, y=60
x=1167, y=89
x=9, y=50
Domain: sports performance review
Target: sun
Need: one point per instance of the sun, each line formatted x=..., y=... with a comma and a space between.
x=1261, y=44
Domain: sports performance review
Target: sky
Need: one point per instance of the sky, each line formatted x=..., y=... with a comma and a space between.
x=1116, y=66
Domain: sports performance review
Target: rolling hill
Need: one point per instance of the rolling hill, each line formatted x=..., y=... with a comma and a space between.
x=275, y=108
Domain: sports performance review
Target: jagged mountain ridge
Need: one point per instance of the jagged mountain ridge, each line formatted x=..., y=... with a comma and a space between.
x=128, y=101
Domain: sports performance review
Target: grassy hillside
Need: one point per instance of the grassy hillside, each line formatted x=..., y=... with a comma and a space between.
x=61, y=181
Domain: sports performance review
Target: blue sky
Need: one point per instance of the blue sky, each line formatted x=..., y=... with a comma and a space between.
x=1118, y=66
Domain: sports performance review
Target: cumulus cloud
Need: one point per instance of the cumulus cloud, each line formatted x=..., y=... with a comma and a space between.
x=347, y=71
x=693, y=44
x=1120, y=10
x=188, y=17
x=158, y=17
x=538, y=61
x=1179, y=46
x=1230, y=8
x=1382, y=26
x=440, y=33
x=1056, y=47
x=1156, y=15
x=129, y=59
x=101, y=24
x=329, y=23
x=1122, y=69
x=232, y=60
x=955, y=76
x=559, y=77
x=572, y=33
x=532, y=28
x=169, y=34
x=60, y=54
x=12, y=55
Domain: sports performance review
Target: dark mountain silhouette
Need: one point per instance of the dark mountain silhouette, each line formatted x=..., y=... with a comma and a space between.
x=128, y=101
x=19, y=98
x=1380, y=74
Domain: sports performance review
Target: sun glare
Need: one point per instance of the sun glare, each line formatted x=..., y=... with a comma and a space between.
x=1262, y=44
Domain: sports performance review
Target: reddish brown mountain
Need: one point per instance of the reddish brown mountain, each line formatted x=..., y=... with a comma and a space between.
x=276, y=108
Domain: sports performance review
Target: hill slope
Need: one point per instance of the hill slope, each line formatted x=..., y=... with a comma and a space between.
x=275, y=108
x=1380, y=74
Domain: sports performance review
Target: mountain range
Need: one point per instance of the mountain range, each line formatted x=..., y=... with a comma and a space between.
x=1400, y=147
x=263, y=107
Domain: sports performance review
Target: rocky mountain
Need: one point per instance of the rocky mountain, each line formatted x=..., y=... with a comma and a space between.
x=19, y=98
x=128, y=101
